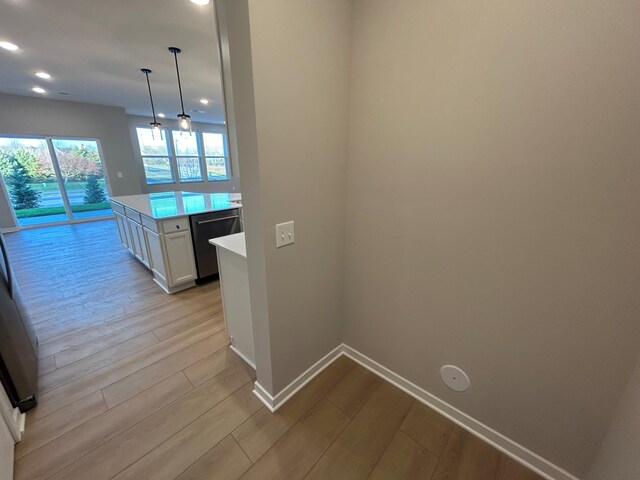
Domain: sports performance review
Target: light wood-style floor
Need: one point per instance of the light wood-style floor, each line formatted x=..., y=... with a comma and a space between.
x=137, y=384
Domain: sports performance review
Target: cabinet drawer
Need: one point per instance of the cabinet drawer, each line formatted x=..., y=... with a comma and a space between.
x=175, y=225
x=150, y=223
x=133, y=215
x=116, y=207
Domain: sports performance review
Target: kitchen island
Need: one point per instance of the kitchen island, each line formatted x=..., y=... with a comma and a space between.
x=157, y=229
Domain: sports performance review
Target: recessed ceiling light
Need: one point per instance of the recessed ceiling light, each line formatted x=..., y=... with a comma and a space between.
x=161, y=115
x=39, y=90
x=204, y=101
x=43, y=75
x=9, y=46
x=200, y=2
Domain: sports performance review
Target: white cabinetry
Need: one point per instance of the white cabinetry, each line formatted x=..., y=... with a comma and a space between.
x=179, y=249
x=163, y=246
x=156, y=256
x=140, y=249
x=121, y=222
x=234, y=284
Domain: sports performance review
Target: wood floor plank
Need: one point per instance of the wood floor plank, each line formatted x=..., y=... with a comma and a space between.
x=225, y=461
x=466, y=457
x=356, y=451
x=71, y=348
x=210, y=366
x=183, y=449
x=297, y=451
x=263, y=429
x=405, y=459
x=509, y=469
x=53, y=426
x=46, y=365
x=428, y=428
x=186, y=322
x=121, y=451
x=131, y=385
x=73, y=445
x=354, y=390
x=90, y=318
x=78, y=388
x=67, y=373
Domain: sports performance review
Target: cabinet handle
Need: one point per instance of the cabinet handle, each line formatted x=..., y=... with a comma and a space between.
x=217, y=219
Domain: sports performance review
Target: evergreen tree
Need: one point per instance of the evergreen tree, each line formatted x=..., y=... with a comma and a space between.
x=6, y=165
x=22, y=193
x=93, y=192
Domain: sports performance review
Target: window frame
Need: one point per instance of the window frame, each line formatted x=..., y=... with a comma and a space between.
x=173, y=157
x=199, y=148
x=225, y=148
x=169, y=155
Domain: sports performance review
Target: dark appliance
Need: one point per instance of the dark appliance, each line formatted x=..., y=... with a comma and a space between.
x=211, y=225
x=18, y=343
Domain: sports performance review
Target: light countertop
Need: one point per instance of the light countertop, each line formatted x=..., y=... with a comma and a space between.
x=234, y=243
x=179, y=204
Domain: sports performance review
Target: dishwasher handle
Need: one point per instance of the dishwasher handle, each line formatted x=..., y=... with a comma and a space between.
x=200, y=222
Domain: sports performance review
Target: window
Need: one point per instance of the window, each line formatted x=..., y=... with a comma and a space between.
x=53, y=180
x=192, y=152
x=215, y=154
x=187, y=156
x=155, y=155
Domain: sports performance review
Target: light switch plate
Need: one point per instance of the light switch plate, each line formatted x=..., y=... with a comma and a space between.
x=285, y=234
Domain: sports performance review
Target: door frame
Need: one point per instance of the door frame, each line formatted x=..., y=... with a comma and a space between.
x=63, y=193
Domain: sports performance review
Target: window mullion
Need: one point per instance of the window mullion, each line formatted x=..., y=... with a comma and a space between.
x=201, y=155
x=173, y=158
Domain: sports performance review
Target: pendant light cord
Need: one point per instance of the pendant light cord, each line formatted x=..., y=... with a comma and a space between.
x=153, y=109
x=175, y=56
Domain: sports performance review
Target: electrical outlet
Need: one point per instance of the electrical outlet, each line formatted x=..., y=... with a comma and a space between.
x=119, y=174
x=285, y=234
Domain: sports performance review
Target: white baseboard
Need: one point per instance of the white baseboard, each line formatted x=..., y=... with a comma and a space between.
x=242, y=356
x=273, y=403
x=522, y=455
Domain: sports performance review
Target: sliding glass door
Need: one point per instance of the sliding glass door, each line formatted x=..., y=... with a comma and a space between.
x=82, y=177
x=53, y=180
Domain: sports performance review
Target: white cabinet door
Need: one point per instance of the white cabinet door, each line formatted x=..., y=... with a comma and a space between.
x=121, y=222
x=156, y=258
x=133, y=239
x=181, y=263
x=139, y=243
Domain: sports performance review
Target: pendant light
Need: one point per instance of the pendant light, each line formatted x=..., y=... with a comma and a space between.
x=155, y=125
x=184, y=120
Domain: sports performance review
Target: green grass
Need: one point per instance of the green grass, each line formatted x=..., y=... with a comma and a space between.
x=41, y=212
x=53, y=185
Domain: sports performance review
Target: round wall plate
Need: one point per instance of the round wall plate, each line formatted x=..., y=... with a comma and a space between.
x=455, y=378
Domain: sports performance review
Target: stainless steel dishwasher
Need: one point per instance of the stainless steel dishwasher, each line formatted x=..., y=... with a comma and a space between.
x=211, y=225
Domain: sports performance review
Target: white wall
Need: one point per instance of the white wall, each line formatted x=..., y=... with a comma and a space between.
x=10, y=419
x=619, y=456
x=231, y=185
x=291, y=87
x=6, y=452
x=492, y=212
x=20, y=115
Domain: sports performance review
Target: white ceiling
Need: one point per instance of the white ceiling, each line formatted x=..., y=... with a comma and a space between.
x=94, y=51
